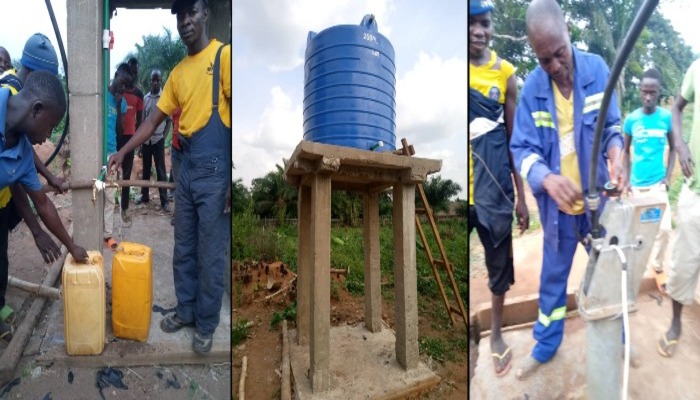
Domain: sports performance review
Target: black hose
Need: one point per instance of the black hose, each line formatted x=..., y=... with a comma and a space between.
x=65, y=70
x=625, y=49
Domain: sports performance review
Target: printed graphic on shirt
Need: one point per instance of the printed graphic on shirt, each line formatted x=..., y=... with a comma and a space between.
x=494, y=93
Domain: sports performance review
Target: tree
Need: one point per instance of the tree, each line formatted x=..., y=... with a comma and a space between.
x=510, y=35
x=240, y=197
x=438, y=192
x=347, y=207
x=600, y=27
x=606, y=24
x=463, y=208
x=272, y=196
x=161, y=52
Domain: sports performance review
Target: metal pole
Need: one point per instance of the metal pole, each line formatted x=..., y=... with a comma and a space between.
x=603, y=359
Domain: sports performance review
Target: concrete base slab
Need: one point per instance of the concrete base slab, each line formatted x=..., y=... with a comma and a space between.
x=362, y=366
x=564, y=377
x=161, y=348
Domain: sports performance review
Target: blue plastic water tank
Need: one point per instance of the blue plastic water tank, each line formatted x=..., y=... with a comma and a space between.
x=349, y=87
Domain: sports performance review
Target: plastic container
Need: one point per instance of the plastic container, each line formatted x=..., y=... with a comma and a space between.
x=84, y=305
x=132, y=291
x=349, y=87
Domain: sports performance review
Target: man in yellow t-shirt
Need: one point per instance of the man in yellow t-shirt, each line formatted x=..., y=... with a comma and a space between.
x=492, y=93
x=201, y=85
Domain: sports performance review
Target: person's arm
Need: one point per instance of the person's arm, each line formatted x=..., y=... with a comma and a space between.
x=49, y=215
x=520, y=204
x=679, y=145
x=671, y=162
x=52, y=179
x=626, y=157
x=141, y=135
x=168, y=123
x=47, y=247
x=526, y=146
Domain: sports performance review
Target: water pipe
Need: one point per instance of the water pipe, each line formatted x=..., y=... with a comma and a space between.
x=625, y=49
x=105, y=78
x=65, y=70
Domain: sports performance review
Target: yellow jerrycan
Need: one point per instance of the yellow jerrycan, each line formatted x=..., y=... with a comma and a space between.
x=84, y=303
x=132, y=291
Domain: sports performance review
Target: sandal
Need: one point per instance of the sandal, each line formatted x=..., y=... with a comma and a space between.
x=173, y=324
x=111, y=243
x=502, y=362
x=667, y=347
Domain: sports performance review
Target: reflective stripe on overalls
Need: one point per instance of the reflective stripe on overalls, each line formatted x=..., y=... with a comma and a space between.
x=202, y=230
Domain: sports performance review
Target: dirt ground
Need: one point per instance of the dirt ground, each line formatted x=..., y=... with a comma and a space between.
x=55, y=382
x=263, y=347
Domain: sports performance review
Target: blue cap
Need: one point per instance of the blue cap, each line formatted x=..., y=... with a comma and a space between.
x=39, y=54
x=478, y=7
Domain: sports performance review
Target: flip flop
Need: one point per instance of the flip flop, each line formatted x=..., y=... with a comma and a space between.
x=111, y=243
x=498, y=361
x=666, y=347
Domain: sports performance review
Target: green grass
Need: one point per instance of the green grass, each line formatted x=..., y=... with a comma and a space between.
x=438, y=349
x=289, y=313
x=253, y=242
x=239, y=332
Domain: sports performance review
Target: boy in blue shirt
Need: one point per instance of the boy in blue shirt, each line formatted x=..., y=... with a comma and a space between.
x=28, y=118
x=648, y=130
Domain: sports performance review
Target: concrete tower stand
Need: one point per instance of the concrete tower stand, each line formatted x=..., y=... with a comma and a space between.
x=316, y=169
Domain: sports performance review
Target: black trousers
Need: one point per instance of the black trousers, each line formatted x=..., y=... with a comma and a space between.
x=156, y=152
x=127, y=164
x=499, y=259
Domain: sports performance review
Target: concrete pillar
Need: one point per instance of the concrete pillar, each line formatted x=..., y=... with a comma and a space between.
x=84, y=47
x=321, y=282
x=304, y=265
x=373, y=298
x=220, y=20
x=405, y=281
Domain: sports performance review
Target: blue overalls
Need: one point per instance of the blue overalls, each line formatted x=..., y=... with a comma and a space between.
x=202, y=230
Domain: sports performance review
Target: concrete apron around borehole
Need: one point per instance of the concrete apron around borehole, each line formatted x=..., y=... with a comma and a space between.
x=564, y=377
x=160, y=348
x=363, y=365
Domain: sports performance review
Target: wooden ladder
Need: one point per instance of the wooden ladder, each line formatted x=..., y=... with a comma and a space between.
x=408, y=150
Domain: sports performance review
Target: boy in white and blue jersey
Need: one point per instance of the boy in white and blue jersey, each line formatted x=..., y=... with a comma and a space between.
x=648, y=131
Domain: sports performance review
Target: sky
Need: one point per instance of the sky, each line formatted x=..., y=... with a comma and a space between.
x=128, y=26
x=269, y=40
x=683, y=16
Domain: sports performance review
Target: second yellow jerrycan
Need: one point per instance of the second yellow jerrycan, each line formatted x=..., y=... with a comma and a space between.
x=84, y=305
x=132, y=291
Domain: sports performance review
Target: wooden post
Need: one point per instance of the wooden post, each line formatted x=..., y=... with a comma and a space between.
x=241, y=383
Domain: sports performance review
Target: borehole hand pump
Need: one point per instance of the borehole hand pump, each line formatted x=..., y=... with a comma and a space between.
x=617, y=258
